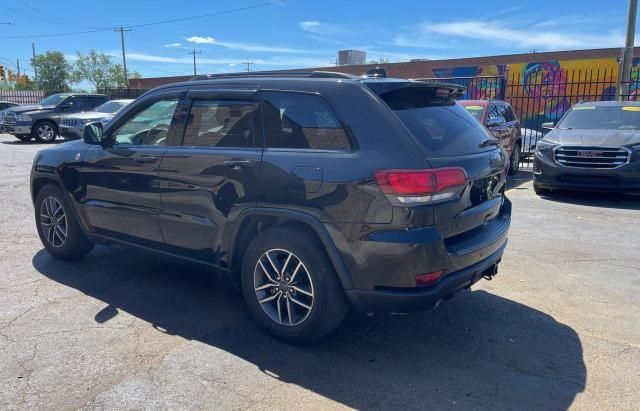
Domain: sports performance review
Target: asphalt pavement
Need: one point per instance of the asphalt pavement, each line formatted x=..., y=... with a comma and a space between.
x=557, y=328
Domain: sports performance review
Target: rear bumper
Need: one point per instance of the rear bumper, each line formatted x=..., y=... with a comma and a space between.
x=383, y=265
x=418, y=299
x=550, y=175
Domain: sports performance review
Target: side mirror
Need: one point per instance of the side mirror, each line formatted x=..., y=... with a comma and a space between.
x=92, y=133
x=496, y=122
x=549, y=125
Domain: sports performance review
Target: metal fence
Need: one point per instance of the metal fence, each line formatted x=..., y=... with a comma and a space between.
x=545, y=93
x=118, y=93
x=22, y=97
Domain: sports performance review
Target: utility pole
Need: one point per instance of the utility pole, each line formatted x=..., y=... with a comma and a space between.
x=35, y=69
x=627, y=56
x=18, y=64
x=249, y=64
x=194, y=52
x=124, y=56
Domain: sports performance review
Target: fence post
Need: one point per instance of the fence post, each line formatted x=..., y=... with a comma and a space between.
x=505, y=83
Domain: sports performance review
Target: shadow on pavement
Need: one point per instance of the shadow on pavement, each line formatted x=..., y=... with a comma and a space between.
x=477, y=350
x=592, y=199
x=516, y=182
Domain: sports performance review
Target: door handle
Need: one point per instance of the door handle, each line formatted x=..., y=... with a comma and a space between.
x=146, y=159
x=237, y=164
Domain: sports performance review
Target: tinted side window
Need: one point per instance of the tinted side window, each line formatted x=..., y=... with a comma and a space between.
x=150, y=126
x=96, y=101
x=495, y=110
x=510, y=114
x=305, y=121
x=221, y=123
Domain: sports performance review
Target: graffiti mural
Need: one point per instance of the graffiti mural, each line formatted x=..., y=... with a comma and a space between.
x=542, y=91
x=484, y=84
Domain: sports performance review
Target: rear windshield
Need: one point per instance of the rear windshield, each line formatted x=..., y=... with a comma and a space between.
x=444, y=127
x=475, y=111
x=586, y=116
x=110, y=107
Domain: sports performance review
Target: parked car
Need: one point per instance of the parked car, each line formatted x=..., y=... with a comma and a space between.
x=530, y=138
x=71, y=126
x=595, y=146
x=313, y=192
x=502, y=122
x=7, y=104
x=40, y=121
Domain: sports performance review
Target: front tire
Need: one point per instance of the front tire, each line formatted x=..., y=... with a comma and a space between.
x=57, y=227
x=515, y=160
x=291, y=287
x=44, y=131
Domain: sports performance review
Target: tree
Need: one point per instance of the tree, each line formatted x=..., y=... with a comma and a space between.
x=93, y=67
x=53, y=70
x=382, y=60
x=99, y=70
x=117, y=75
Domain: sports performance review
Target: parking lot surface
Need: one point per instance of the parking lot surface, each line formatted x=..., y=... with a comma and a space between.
x=557, y=328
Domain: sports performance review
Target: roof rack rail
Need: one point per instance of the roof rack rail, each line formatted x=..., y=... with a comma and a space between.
x=312, y=74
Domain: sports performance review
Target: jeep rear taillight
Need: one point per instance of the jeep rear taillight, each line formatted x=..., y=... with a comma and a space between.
x=422, y=186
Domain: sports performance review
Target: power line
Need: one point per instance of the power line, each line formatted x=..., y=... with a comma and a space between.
x=215, y=13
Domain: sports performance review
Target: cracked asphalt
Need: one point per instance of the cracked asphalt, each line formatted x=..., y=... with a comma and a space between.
x=557, y=328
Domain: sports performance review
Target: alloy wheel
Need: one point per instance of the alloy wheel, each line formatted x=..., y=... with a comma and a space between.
x=46, y=132
x=283, y=287
x=53, y=221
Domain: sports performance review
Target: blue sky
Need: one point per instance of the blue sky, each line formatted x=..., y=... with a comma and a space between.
x=304, y=33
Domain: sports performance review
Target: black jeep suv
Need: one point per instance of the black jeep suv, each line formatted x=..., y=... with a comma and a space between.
x=313, y=191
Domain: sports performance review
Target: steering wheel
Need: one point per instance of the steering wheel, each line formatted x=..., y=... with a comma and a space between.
x=155, y=135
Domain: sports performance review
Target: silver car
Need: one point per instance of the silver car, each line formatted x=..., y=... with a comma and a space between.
x=72, y=126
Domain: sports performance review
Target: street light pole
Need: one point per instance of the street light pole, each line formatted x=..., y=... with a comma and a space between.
x=124, y=57
x=194, y=52
x=35, y=67
x=627, y=56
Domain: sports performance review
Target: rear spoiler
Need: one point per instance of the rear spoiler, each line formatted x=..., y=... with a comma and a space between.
x=444, y=90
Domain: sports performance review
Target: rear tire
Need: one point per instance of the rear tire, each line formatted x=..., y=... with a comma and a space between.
x=297, y=302
x=57, y=227
x=44, y=131
x=515, y=160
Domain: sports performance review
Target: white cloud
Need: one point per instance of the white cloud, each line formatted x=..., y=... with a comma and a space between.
x=201, y=40
x=492, y=31
x=253, y=47
x=173, y=45
x=323, y=29
x=232, y=64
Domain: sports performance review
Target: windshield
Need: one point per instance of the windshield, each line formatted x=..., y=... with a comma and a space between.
x=110, y=106
x=475, y=111
x=610, y=117
x=443, y=126
x=54, y=99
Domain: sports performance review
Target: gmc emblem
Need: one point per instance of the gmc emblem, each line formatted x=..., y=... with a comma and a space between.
x=590, y=154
